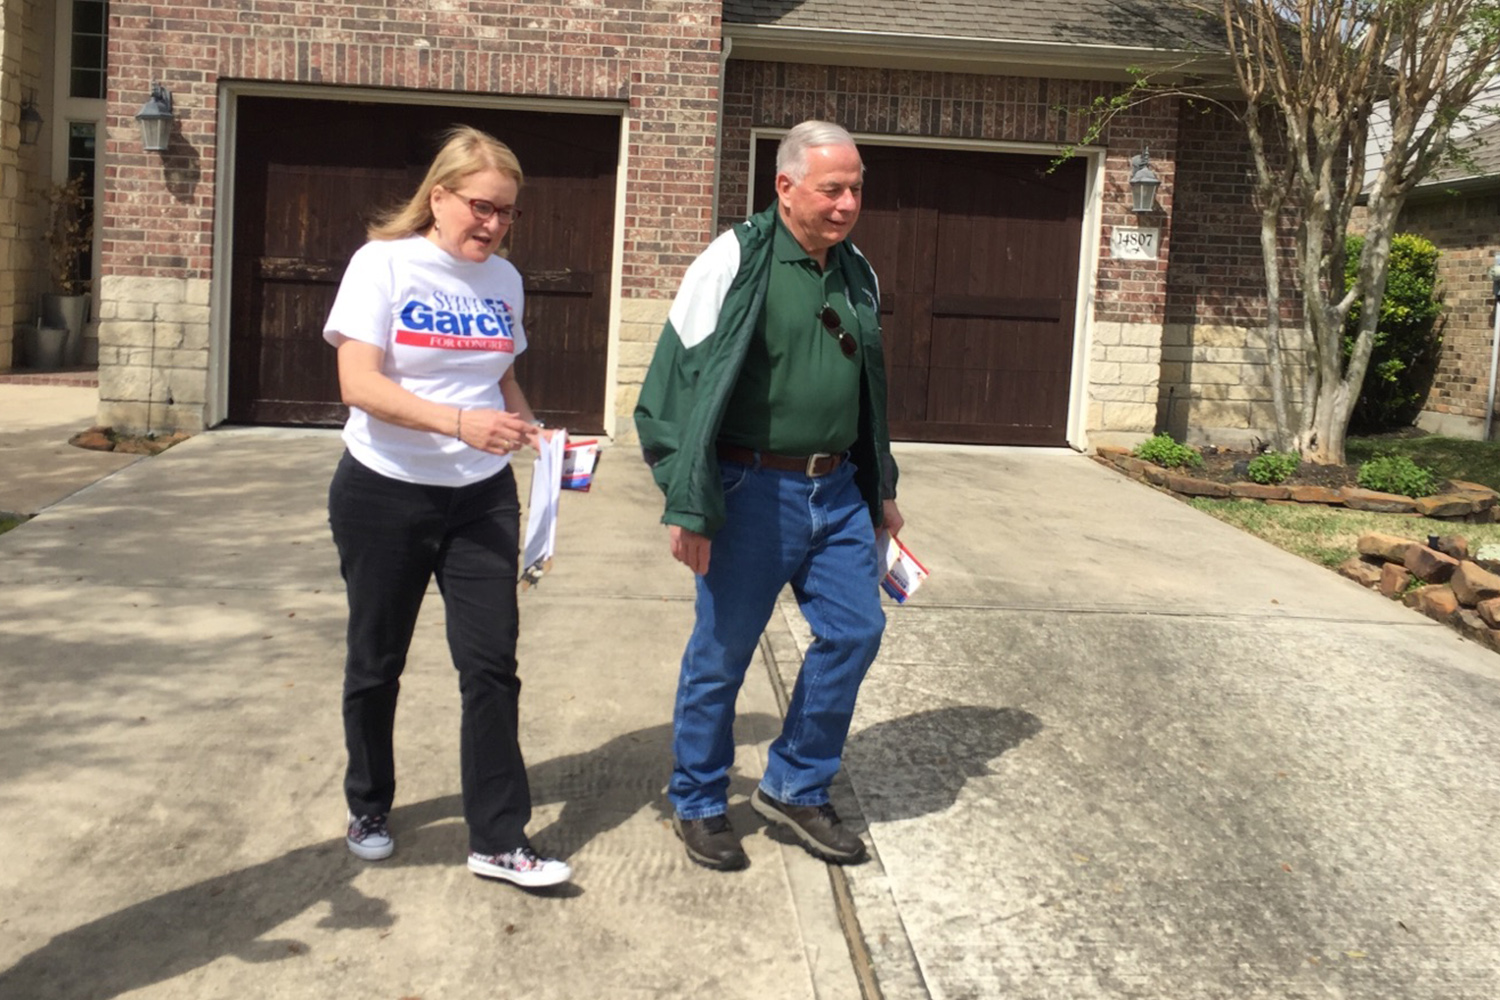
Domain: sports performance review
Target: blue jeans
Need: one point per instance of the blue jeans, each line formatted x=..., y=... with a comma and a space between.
x=815, y=534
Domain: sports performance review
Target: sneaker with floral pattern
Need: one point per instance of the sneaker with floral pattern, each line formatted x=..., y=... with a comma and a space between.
x=368, y=837
x=523, y=866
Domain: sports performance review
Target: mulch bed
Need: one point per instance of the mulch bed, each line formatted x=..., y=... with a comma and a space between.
x=108, y=439
x=1225, y=465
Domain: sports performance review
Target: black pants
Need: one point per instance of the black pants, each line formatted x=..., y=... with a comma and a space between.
x=392, y=538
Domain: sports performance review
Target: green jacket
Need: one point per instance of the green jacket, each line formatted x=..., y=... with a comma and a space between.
x=698, y=359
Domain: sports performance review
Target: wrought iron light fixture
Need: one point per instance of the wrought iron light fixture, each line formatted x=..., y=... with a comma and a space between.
x=1143, y=182
x=155, y=117
x=31, y=121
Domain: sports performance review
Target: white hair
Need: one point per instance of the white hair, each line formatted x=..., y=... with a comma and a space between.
x=791, y=154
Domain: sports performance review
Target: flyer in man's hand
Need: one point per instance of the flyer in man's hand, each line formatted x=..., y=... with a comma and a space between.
x=579, y=461
x=903, y=573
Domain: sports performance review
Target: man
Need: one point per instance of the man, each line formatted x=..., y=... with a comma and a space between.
x=763, y=419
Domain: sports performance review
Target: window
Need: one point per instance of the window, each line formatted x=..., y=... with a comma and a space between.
x=82, y=163
x=90, y=46
x=80, y=73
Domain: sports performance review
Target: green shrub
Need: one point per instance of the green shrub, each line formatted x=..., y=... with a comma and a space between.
x=1397, y=474
x=1405, y=343
x=1273, y=467
x=1167, y=453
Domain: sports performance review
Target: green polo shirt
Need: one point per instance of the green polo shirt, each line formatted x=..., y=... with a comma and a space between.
x=797, y=394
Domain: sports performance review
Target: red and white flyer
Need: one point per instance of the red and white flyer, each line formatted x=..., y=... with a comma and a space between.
x=578, y=463
x=903, y=572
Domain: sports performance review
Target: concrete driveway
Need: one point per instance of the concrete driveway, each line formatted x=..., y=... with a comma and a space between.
x=37, y=465
x=1113, y=749
x=1118, y=749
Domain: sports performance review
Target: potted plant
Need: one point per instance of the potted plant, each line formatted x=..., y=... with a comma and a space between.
x=70, y=235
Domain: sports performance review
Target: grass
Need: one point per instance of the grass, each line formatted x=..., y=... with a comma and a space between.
x=1329, y=535
x=1449, y=458
x=6, y=523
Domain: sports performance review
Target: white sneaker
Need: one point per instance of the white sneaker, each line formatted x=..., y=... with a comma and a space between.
x=368, y=837
x=523, y=866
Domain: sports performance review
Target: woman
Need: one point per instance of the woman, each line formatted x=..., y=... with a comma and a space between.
x=427, y=323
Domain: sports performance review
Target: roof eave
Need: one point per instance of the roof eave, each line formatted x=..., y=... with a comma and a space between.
x=1458, y=186
x=995, y=57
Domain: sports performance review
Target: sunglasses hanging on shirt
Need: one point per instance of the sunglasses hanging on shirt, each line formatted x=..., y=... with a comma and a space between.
x=835, y=328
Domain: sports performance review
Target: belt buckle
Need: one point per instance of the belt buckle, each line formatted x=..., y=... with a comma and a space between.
x=812, y=463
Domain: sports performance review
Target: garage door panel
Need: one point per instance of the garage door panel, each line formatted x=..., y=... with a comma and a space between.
x=977, y=254
x=1009, y=399
x=907, y=394
x=916, y=288
x=997, y=307
x=309, y=176
x=566, y=267
x=986, y=433
x=318, y=211
x=291, y=367
x=1006, y=261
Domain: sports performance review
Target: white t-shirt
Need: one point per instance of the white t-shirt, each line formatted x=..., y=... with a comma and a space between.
x=450, y=328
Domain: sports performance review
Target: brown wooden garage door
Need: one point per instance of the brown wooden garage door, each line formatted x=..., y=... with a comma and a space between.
x=308, y=176
x=977, y=255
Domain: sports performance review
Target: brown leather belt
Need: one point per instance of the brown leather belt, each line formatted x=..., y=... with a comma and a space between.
x=811, y=466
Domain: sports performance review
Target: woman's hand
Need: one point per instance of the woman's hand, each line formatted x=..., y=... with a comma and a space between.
x=496, y=431
x=541, y=436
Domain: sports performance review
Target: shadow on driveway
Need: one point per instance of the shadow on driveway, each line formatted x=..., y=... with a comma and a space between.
x=172, y=934
x=917, y=764
x=926, y=756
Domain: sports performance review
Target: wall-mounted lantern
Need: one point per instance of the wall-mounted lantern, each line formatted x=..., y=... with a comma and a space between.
x=1143, y=182
x=31, y=121
x=155, y=117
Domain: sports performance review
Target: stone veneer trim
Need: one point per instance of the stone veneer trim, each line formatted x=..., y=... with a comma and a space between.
x=154, y=354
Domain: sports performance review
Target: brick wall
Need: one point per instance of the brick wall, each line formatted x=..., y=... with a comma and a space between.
x=659, y=58
x=962, y=106
x=1215, y=379
x=1467, y=231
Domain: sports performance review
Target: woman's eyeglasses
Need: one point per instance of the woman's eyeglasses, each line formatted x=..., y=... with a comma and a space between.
x=835, y=328
x=485, y=210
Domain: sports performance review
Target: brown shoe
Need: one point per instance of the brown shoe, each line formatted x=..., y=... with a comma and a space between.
x=818, y=827
x=711, y=842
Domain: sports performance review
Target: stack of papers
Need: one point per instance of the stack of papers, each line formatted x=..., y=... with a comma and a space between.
x=560, y=465
x=541, y=509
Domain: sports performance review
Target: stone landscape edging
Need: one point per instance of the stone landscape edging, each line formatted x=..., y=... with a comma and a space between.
x=1471, y=503
x=1454, y=588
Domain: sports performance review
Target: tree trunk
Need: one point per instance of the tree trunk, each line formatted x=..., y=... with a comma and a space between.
x=1270, y=198
x=1277, y=371
x=1330, y=422
x=1343, y=381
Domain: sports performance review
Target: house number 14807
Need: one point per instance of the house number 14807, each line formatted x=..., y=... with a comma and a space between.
x=1134, y=244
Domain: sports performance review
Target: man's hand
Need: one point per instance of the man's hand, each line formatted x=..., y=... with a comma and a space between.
x=893, y=521
x=690, y=548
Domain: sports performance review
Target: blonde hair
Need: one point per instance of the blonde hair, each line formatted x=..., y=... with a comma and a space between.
x=466, y=151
